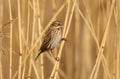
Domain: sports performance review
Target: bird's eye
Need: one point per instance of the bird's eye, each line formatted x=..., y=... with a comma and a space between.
x=58, y=24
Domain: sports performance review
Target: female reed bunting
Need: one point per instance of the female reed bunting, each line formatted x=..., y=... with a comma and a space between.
x=52, y=37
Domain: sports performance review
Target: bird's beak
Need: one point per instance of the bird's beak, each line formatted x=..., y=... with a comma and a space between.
x=61, y=26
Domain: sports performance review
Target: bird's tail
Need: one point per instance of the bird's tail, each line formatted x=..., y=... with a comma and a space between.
x=38, y=55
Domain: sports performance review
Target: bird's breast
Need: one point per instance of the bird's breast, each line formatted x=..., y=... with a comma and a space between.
x=56, y=39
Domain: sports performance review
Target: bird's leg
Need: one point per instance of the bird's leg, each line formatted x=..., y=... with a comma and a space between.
x=50, y=52
x=63, y=39
x=56, y=58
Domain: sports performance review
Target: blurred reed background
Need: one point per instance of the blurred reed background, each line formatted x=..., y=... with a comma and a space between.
x=91, y=27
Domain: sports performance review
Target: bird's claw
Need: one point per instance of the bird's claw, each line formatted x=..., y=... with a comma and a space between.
x=63, y=39
x=57, y=58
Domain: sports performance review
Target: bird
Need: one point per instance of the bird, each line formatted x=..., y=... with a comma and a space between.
x=52, y=37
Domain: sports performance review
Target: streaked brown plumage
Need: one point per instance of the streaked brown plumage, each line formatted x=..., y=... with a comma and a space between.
x=52, y=37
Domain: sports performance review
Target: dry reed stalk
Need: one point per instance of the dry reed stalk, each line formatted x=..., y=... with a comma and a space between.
x=88, y=17
x=33, y=64
x=24, y=54
x=76, y=43
x=66, y=18
x=1, y=75
x=62, y=74
x=27, y=38
x=39, y=32
x=39, y=17
x=9, y=22
x=106, y=67
x=54, y=7
x=98, y=27
x=56, y=65
x=118, y=55
x=43, y=11
x=15, y=74
x=57, y=76
x=100, y=51
x=11, y=37
x=1, y=19
x=23, y=10
x=33, y=36
x=20, y=40
x=116, y=15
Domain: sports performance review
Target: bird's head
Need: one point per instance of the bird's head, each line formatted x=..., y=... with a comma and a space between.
x=57, y=25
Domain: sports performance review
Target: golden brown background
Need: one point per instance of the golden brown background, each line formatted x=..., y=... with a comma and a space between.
x=91, y=27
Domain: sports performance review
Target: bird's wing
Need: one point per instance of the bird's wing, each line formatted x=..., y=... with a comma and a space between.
x=46, y=40
x=45, y=43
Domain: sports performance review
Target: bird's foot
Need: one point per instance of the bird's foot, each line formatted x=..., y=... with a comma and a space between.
x=63, y=39
x=57, y=58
